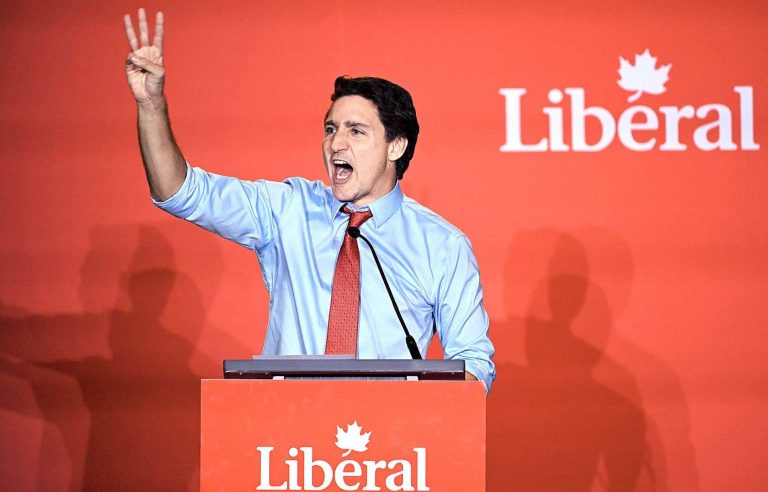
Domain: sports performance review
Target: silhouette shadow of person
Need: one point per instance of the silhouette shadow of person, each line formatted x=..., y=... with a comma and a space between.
x=138, y=390
x=143, y=401
x=551, y=425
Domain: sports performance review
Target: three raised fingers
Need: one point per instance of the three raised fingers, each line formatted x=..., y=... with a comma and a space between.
x=144, y=31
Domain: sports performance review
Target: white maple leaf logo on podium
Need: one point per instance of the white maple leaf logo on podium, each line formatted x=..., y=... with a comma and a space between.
x=643, y=76
x=352, y=440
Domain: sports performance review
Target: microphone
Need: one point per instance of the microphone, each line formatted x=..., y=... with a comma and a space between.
x=409, y=341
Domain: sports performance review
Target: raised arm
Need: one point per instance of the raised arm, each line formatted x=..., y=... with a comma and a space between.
x=163, y=161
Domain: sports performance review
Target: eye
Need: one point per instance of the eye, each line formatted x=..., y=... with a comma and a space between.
x=330, y=130
x=357, y=132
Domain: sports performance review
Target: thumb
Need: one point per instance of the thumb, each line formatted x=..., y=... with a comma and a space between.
x=145, y=64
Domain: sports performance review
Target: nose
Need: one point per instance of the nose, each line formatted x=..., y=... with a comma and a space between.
x=338, y=141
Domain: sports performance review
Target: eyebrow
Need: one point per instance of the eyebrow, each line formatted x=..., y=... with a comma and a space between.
x=348, y=124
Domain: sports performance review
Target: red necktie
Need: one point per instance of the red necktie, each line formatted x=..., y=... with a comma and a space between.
x=344, y=315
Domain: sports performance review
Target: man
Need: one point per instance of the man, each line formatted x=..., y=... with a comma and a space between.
x=311, y=267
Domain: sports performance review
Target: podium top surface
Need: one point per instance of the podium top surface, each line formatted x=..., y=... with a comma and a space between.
x=311, y=368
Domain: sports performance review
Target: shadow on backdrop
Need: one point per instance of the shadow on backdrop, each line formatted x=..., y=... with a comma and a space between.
x=564, y=415
x=120, y=376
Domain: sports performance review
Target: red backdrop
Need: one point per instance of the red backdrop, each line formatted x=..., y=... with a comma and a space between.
x=626, y=288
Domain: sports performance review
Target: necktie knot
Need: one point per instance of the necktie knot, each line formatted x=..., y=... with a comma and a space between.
x=356, y=219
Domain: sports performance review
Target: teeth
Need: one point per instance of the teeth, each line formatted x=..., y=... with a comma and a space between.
x=339, y=162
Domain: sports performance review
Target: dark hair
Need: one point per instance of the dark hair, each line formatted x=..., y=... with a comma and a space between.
x=395, y=108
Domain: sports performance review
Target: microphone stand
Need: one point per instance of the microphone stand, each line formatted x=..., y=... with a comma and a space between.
x=409, y=341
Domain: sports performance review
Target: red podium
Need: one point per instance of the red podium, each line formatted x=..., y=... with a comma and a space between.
x=342, y=435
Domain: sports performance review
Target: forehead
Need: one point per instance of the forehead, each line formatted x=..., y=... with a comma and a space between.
x=353, y=108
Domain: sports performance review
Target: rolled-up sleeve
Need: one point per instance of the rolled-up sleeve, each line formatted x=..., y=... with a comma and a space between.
x=462, y=322
x=235, y=209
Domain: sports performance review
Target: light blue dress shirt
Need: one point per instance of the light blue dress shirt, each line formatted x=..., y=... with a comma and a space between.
x=296, y=229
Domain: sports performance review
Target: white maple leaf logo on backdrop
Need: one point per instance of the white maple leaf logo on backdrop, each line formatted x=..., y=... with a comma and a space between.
x=352, y=440
x=643, y=76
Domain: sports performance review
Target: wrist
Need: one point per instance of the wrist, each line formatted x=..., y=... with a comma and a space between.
x=152, y=106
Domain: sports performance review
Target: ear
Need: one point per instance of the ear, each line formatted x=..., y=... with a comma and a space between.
x=396, y=148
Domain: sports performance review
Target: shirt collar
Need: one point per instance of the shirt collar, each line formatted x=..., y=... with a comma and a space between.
x=382, y=208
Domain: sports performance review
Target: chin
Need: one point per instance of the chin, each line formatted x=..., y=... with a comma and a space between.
x=342, y=196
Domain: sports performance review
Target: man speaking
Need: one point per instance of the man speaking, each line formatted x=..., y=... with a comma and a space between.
x=326, y=295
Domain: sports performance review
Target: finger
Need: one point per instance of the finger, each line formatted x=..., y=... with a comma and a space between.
x=158, y=41
x=130, y=33
x=144, y=64
x=143, y=28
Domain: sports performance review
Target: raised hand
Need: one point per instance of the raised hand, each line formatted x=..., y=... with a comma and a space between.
x=144, y=64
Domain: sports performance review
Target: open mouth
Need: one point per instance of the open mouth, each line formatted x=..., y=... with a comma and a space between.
x=343, y=170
